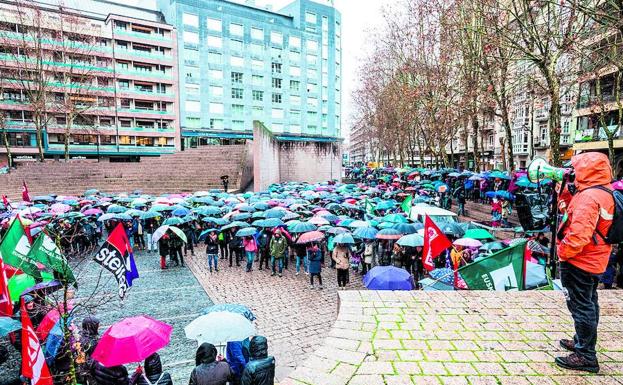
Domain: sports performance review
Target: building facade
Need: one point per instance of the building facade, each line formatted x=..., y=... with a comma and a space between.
x=108, y=81
x=239, y=63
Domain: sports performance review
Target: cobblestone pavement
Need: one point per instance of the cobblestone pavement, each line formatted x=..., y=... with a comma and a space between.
x=294, y=318
x=469, y=337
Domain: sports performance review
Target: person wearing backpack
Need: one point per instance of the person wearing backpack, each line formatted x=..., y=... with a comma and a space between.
x=583, y=251
x=152, y=373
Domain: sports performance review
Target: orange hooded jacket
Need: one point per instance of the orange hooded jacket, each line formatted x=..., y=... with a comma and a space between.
x=590, y=209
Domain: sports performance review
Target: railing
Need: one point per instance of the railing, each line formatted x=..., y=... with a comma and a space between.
x=112, y=148
x=145, y=111
x=150, y=55
x=151, y=74
x=27, y=60
x=68, y=44
x=149, y=36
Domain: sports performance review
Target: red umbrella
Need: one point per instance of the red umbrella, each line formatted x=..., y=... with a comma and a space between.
x=132, y=340
x=311, y=236
x=48, y=322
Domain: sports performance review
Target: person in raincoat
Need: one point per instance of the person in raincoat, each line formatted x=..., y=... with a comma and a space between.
x=250, y=248
x=89, y=337
x=261, y=367
x=584, y=255
x=314, y=256
x=212, y=250
x=368, y=256
x=209, y=370
x=151, y=373
x=278, y=246
x=341, y=257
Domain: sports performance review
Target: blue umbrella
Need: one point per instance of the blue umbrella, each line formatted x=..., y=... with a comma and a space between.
x=344, y=239
x=205, y=233
x=181, y=211
x=122, y=217
x=149, y=214
x=8, y=325
x=246, y=232
x=268, y=223
x=217, y=221
x=241, y=216
x=388, y=278
x=365, y=233
x=235, y=224
x=275, y=213
x=301, y=227
x=408, y=228
x=116, y=209
x=411, y=240
x=207, y=210
x=173, y=221
x=231, y=308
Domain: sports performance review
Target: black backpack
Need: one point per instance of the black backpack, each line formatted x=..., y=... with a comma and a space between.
x=615, y=234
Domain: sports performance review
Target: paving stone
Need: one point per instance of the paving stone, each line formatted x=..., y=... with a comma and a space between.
x=407, y=368
x=453, y=380
x=367, y=380
x=376, y=368
x=398, y=380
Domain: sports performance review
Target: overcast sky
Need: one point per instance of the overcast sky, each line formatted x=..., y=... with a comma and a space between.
x=358, y=17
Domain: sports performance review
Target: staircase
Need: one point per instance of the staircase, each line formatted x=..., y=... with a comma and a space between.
x=187, y=171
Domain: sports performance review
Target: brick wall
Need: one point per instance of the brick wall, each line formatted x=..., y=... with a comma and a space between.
x=278, y=162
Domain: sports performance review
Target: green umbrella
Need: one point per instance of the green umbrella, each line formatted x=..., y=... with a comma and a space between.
x=19, y=283
x=478, y=234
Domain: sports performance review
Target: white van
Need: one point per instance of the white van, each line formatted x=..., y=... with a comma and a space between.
x=438, y=215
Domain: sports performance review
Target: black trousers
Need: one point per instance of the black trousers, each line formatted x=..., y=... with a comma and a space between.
x=311, y=278
x=235, y=254
x=342, y=277
x=224, y=251
x=581, y=294
x=264, y=257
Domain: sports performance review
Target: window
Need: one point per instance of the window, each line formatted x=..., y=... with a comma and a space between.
x=276, y=83
x=275, y=53
x=276, y=38
x=295, y=100
x=295, y=115
x=236, y=61
x=216, y=90
x=216, y=108
x=325, y=24
x=192, y=89
x=312, y=45
x=295, y=71
x=310, y=17
x=312, y=73
x=257, y=33
x=193, y=122
x=237, y=109
x=237, y=124
x=257, y=111
x=312, y=59
x=258, y=96
x=214, y=25
x=277, y=113
x=236, y=45
x=215, y=41
x=256, y=49
x=236, y=77
x=276, y=68
x=191, y=57
x=276, y=98
x=257, y=64
x=191, y=37
x=215, y=58
x=295, y=57
x=123, y=84
x=565, y=127
x=190, y=19
x=294, y=42
x=295, y=85
x=277, y=127
x=237, y=93
x=192, y=106
x=215, y=74
x=312, y=102
x=236, y=29
x=257, y=80
x=216, y=124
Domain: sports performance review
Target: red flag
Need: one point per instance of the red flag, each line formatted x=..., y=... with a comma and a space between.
x=33, y=361
x=435, y=242
x=5, y=201
x=6, y=306
x=25, y=194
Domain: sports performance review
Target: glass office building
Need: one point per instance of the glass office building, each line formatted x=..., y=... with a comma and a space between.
x=239, y=63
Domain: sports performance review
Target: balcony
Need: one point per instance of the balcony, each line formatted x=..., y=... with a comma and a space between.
x=143, y=54
x=143, y=73
x=141, y=35
x=145, y=111
x=541, y=115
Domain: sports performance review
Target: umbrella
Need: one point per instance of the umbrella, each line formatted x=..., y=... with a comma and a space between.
x=234, y=225
x=618, y=185
x=467, y=242
x=301, y=227
x=45, y=287
x=335, y=230
x=344, y=239
x=92, y=212
x=395, y=218
x=407, y=228
x=181, y=211
x=365, y=233
x=149, y=214
x=536, y=247
x=357, y=224
x=8, y=325
x=492, y=246
x=204, y=233
x=318, y=221
x=116, y=209
x=20, y=282
x=173, y=221
x=231, y=308
x=388, y=234
x=246, y=232
x=60, y=208
x=241, y=216
x=311, y=236
x=411, y=240
x=275, y=213
x=131, y=340
x=451, y=228
x=479, y=234
x=160, y=231
x=220, y=327
x=388, y=278
x=268, y=223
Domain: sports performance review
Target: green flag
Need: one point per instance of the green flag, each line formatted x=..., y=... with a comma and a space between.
x=15, y=248
x=502, y=271
x=45, y=251
x=406, y=204
x=369, y=207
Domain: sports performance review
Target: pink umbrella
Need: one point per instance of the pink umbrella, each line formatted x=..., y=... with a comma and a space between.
x=311, y=236
x=132, y=340
x=59, y=208
x=319, y=221
x=92, y=212
x=467, y=242
x=618, y=185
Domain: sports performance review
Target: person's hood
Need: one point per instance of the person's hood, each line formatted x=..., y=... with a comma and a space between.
x=90, y=326
x=591, y=169
x=206, y=354
x=153, y=365
x=258, y=348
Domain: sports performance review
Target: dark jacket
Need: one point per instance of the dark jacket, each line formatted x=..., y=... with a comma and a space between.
x=116, y=375
x=315, y=261
x=211, y=244
x=209, y=371
x=261, y=368
x=153, y=374
x=235, y=357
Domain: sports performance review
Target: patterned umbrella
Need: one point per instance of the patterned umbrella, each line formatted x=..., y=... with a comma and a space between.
x=312, y=236
x=389, y=234
x=231, y=308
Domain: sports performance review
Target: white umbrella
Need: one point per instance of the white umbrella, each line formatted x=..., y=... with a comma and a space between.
x=220, y=327
x=160, y=231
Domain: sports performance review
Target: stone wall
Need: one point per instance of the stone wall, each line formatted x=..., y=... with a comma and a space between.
x=277, y=161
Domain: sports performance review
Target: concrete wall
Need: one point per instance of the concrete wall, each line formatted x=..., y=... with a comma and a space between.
x=277, y=161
